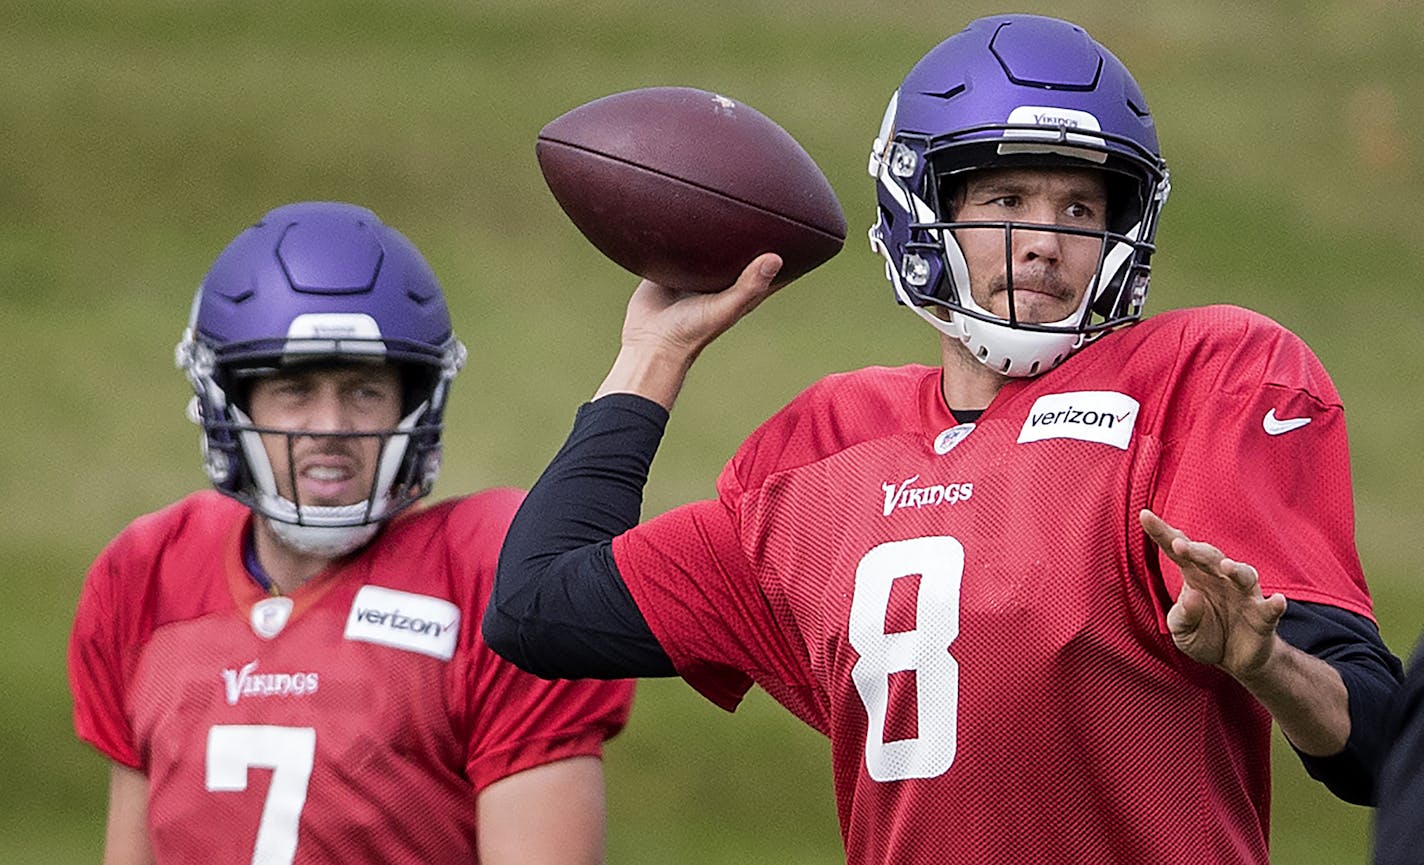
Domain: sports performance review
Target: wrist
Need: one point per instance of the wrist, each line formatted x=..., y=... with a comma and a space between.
x=1260, y=677
x=653, y=372
x=1306, y=697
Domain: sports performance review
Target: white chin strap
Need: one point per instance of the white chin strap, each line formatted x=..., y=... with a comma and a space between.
x=327, y=542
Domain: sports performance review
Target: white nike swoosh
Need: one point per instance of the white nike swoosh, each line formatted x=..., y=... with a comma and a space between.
x=1275, y=426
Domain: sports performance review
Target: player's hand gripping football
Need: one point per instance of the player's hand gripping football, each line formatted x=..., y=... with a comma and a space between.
x=1220, y=617
x=664, y=330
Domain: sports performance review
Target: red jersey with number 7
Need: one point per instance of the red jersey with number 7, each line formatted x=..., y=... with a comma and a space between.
x=972, y=612
x=354, y=721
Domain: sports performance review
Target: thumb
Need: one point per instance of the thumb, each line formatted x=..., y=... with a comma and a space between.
x=1186, y=614
x=757, y=281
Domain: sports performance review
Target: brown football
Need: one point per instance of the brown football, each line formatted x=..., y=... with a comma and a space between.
x=685, y=187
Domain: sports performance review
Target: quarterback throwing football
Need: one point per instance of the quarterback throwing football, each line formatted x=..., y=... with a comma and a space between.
x=968, y=575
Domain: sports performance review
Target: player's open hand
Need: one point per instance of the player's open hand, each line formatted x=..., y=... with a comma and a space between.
x=1220, y=617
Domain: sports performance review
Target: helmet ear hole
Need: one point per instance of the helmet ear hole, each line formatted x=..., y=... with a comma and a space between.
x=417, y=385
x=948, y=196
x=1125, y=201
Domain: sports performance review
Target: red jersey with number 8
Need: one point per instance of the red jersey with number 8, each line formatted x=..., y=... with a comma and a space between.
x=972, y=612
x=354, y=721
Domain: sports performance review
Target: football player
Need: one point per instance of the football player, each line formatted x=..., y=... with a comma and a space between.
x=289, y=668
x=968, y=575
x=1399, y=831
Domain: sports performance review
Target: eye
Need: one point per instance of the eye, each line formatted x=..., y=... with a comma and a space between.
x=289, y=387
x=374, y=391
x=1084, y=212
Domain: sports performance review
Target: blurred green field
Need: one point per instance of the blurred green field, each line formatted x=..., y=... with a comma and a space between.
x=137, y=136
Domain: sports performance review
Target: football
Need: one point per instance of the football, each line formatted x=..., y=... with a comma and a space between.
x=685, y=187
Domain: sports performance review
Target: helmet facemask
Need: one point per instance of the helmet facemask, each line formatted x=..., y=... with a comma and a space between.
x=329, y=530
x=238, y=464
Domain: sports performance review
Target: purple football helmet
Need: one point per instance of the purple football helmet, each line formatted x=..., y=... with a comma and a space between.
x=319, y=281
x=1015, y=90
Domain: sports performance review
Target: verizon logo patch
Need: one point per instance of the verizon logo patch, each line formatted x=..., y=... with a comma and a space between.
x=1102, y=416
x=402, y=620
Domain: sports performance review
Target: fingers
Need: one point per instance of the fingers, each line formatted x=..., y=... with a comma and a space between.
x=1175, y=543
x=767, y=266
x=720, y=310
x=1199, y=555
x=1158, y=530
x=1188, y=611
x=1275, y=607
x=1241, y=574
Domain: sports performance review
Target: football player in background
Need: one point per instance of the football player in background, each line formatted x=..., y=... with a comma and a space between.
x=967, y=575
x=1399, y=820
x=289, y=669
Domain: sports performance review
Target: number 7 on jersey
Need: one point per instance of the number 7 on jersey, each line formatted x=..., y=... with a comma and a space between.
x=289, y=752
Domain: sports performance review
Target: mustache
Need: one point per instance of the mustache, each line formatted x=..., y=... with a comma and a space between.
x=304, y=445
x=1044, y=281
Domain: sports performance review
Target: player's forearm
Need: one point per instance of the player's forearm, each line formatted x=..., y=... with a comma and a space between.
x=1306, y=697
x=650, y=372
x=552, y=814
x=559, y=608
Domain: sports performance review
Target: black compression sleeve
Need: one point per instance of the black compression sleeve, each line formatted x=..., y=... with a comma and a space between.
x=1352, y=645
x=559, y=608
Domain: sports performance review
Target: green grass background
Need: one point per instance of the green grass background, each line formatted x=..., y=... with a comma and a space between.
x=138, y=136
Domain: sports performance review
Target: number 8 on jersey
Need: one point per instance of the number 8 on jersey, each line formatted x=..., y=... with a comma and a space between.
x=939, y=562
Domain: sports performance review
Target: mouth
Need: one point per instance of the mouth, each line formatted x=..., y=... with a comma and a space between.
x=1034, y=299
x=1032, y=304
x=1022, y=292
x=328, y=481
x=1048, y=287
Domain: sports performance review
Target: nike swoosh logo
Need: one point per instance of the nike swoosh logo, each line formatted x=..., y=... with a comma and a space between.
x=1276, y=426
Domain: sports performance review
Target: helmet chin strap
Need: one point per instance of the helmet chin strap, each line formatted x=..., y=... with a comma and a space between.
x=327, y=542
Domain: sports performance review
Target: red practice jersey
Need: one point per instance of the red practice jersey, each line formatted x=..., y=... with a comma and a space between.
x=354, y=721
x=974, y=615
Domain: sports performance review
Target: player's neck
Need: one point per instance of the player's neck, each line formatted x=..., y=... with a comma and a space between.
x=968, y=385
x=288, y=569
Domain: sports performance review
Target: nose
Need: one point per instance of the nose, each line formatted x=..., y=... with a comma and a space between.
x=1032, y=245
x=328, y=412
x=1036, y=245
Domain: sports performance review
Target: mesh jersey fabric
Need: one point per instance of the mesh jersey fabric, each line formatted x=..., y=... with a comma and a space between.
x=979, y=626
x=397, y=732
